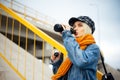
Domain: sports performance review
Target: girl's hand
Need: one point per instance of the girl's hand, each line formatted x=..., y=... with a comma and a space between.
x=55, y=58
x=65, y=27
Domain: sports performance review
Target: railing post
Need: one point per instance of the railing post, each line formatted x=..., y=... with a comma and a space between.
x=11, y=4
x=24, y=12
x=26, y=43
x=11, y=40
x=19, y=32
x=34, y=54
x=43, y=60
x=0, y=20
x=6, y=35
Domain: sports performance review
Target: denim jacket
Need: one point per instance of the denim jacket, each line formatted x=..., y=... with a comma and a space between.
x=84, y=65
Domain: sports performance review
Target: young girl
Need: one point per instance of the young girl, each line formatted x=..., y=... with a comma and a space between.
x=83, y=53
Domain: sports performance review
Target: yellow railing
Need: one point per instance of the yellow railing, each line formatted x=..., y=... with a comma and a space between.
x=35, y=30
x=36, y=33
x=28, y=27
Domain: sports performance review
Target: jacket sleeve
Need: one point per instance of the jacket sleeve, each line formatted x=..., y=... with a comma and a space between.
x=81, y=58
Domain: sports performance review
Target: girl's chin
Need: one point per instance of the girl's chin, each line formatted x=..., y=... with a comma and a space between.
x=77, y=36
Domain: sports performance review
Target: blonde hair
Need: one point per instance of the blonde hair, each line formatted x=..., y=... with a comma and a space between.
x=87, y=29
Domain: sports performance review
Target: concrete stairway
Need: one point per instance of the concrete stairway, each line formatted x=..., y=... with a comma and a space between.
x=37, y=70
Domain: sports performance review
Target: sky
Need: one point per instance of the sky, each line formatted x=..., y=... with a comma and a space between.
x=105, y=14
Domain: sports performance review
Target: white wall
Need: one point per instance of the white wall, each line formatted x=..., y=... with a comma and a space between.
x=14, y=50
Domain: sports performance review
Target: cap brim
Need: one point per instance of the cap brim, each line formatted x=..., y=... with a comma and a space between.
x=73, y=20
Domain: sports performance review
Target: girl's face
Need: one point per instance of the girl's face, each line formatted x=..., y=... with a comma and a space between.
x=78, y=27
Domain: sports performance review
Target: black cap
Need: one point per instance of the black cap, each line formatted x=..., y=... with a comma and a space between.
x=84, y=19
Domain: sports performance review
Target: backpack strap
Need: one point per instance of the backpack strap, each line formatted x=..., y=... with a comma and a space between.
x=102, y=59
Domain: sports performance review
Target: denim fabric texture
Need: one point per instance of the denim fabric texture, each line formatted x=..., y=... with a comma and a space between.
x=84, y=65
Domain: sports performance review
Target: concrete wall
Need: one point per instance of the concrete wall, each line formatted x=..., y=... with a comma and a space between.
x=6, y=73
x=18, y=56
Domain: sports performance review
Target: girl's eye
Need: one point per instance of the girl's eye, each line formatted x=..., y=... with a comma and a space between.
x=79, y=25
